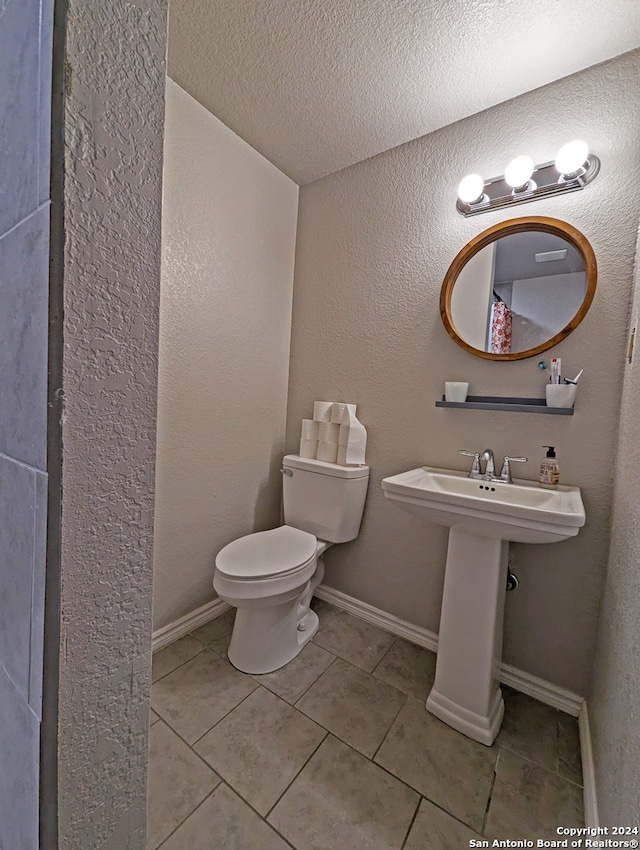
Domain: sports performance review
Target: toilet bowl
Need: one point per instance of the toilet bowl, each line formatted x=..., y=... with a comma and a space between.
x=267, y=577
x=270, y=576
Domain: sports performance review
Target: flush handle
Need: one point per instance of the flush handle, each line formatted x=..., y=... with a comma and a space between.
x=287, y=472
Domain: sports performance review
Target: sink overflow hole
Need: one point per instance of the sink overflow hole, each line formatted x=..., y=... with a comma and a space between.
x=482, y=487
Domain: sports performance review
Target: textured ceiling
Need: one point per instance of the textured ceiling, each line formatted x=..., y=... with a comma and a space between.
x=317, y=85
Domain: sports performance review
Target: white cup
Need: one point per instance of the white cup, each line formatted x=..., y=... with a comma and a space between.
x=456, y=391
x=560, y=395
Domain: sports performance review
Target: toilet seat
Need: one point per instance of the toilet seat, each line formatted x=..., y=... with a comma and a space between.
x=280, y=552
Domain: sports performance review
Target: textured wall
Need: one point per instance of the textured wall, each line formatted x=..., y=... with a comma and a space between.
x=613, y=701
x=318, y=86
x=25, y=114
x=113, y=159
x=228, y=232
x=374, y=243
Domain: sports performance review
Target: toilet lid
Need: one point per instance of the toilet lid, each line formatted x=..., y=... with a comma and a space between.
x=267, y=553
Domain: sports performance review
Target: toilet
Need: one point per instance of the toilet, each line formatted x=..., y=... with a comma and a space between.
x=270, y=576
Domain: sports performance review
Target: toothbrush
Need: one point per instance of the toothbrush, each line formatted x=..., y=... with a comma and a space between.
x=574, y=380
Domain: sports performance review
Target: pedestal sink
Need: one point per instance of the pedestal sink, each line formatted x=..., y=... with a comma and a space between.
x=483, y=516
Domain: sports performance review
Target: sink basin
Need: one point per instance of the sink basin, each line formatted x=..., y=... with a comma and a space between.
x=522, y=512
x=482, y=516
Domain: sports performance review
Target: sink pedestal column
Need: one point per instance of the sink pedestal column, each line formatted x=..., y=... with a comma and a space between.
x=466, y=693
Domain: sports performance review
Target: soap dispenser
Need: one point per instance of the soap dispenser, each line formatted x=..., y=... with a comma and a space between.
x=550, y=469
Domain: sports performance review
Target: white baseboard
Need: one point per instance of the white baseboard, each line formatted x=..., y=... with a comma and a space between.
x=588, y=770
x=539, y=689
x=526, y=683
x=377, y=617
x=167, y=634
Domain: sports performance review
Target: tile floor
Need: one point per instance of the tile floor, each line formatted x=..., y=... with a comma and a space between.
x=336, y=752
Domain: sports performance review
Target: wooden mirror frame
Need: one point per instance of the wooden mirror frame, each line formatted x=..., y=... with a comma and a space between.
x=507, y=228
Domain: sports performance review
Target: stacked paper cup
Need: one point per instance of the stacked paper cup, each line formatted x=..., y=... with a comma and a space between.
x=309, y=438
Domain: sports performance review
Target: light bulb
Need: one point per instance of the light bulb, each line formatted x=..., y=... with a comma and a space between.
x=471, y=188
x=519, y=171
x=572, y=156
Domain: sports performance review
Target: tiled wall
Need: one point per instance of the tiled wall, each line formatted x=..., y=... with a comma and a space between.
x=25, y=111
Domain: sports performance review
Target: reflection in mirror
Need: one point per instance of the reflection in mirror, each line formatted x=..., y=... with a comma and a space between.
x=518, y=288
x=518, y=292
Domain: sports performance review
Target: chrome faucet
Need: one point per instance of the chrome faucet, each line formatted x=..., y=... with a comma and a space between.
x=490, y=464
x=489, y=473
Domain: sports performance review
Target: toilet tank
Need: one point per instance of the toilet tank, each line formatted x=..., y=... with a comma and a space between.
x=324, y=499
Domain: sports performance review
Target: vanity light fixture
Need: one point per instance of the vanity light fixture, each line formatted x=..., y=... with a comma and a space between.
x=518, y=175
x=573, y=168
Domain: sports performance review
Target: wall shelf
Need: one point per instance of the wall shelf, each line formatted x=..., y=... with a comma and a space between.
x=514, y=405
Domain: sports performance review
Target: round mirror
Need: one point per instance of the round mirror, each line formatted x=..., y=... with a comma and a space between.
x=518, y=288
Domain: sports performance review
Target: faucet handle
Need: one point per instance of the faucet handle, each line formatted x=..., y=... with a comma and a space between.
x=475, y=466
x=505, y=472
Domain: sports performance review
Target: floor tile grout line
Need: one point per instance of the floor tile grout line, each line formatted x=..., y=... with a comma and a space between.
x=205, y=648
x=338, y=736
x=342, y=658
x=538, y=765
x=361, y=670
x=311, y=755
x=388, y=650
x=315, y=681
x=355, y=667
x=182, y=663
x=209, y=644
x=184, y=820
x=227, y=713
x=279, y=834
x=227, y=783
x=569, y=781
x=391, y=725
x=381, y=766
x=490, y=797
x=346, y=614
x=450, y=814
x=184, y=741
x=328, y=733
x=313, y=720
x=420, y=793
x=410, y=827
x=393, y=776
x=208, y=796
x=249, y=805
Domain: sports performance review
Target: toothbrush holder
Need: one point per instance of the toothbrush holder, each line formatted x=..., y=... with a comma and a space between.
x=561, y=395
